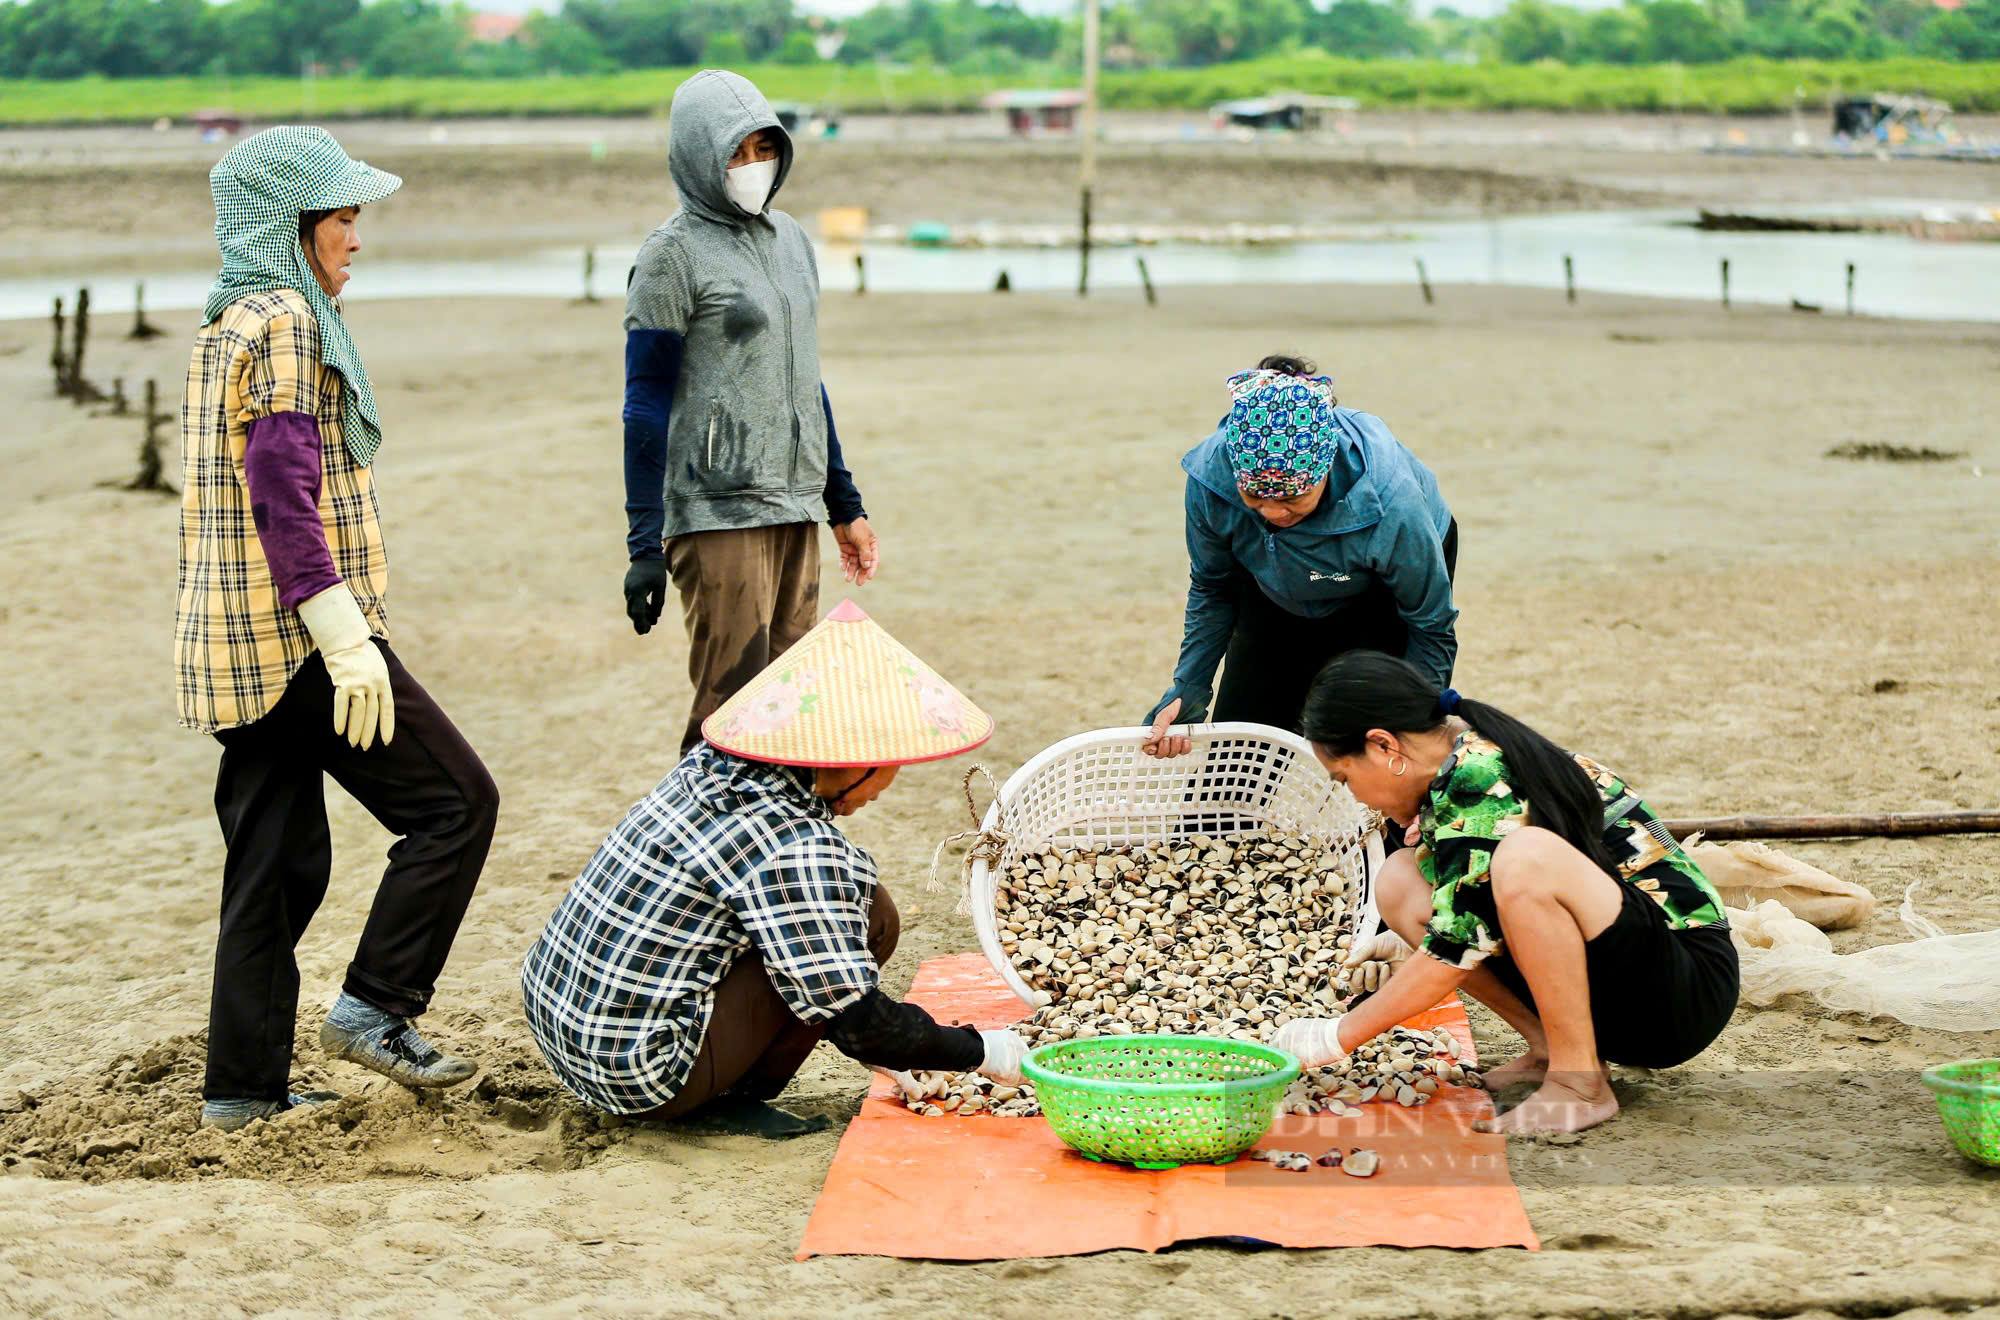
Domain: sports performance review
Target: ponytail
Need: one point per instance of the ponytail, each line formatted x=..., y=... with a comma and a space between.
x=1365, y=690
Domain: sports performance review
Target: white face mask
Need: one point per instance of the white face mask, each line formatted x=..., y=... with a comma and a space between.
x=750, y=185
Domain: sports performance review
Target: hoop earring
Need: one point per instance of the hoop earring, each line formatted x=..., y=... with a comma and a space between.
x=1397, y=770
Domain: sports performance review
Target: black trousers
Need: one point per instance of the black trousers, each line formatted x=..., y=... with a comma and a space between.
x=427, y=786
x=1274, y=655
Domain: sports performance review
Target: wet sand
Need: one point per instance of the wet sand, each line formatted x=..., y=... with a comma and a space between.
x=1659, y=567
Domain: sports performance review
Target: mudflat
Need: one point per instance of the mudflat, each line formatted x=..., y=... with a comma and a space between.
x=112, y=199
x=1659, y=566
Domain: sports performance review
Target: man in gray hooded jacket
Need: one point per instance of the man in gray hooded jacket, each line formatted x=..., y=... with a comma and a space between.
x=730, y=448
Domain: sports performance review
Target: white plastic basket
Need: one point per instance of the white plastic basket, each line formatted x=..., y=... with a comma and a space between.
x=1098, y=790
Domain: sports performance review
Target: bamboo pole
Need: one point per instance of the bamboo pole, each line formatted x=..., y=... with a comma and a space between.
x=1887, y=824
x=1087, y=172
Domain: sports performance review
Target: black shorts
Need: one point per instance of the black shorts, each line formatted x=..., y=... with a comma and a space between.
x=1658, y=996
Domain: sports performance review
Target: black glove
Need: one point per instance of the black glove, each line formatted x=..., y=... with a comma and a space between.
x=645, y=593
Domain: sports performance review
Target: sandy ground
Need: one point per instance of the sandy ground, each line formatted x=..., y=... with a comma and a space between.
x=122, y=198
x=1659, y=566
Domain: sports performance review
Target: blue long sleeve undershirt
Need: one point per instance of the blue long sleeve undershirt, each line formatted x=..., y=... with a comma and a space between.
x=652, y=370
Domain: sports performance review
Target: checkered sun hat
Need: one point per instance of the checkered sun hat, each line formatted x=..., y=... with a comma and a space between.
x=261, y=185
x=1280, y=434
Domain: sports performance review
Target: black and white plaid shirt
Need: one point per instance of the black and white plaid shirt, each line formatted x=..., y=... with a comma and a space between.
x=724, y=857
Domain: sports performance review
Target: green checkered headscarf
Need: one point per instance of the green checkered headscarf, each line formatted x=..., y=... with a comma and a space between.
x=261, y=186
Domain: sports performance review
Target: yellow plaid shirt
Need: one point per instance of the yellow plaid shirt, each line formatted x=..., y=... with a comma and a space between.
x=235, y=647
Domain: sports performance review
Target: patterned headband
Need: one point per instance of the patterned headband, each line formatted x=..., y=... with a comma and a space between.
x=1280, y=434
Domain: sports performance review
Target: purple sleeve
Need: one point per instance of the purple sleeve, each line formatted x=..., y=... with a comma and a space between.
x=281, y=458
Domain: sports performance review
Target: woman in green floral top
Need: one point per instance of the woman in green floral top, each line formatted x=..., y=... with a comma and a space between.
x=1541, y=885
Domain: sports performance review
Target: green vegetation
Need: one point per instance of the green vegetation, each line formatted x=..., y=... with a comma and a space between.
x=1742, y=86
x=137, y=60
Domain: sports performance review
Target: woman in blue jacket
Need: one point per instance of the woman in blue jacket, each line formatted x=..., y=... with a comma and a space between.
x=1311, y=532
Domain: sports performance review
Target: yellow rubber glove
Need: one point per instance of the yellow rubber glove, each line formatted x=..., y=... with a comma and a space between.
x=362, y=700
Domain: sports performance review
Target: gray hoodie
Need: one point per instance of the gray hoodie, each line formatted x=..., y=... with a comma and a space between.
x=747, y=438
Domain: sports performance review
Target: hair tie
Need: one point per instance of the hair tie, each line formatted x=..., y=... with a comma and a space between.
x=1448, y=702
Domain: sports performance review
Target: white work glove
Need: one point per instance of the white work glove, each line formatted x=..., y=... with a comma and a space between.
x=1004, y=1052
x=912, y=1089
x=1370, y=963
x=362, y=700
x=1316, y=1041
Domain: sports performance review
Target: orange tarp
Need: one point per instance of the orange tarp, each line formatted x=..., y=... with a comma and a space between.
x=989, y=1188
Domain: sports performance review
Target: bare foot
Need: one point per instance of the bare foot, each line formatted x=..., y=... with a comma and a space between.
x=1528, y=1067
x=1559, y=1105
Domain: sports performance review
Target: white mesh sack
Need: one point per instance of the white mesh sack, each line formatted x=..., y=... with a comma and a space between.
x=1098, y=790
x=1747, y=874
x=1933, y=980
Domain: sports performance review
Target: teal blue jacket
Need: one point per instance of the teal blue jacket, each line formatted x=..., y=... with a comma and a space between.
x=1381, y=521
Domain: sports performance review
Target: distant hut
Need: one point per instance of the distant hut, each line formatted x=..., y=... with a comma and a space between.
x=215, y=125
x=1039, y=112
x=494, y=29
x=1284, y=112
x=1890, y=118
x=800, y=119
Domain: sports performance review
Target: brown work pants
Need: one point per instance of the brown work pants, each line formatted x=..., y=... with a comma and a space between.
x=746, y=594
x=754, y=1045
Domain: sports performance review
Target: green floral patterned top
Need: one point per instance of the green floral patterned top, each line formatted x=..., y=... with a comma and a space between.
x=1472, y=807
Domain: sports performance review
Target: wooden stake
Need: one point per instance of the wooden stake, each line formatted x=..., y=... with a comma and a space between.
x=80, y=332
x=1725, y=284
x=1569, y=277
x=141, y=327
x=81, y=391
x=1146, y=278
x=57, y=358
x=589, y=272
x=860, y=274
x=1088, y=171
x=1888, y=824
x=1850, y=288
x=151, y=464
x=1424, y=280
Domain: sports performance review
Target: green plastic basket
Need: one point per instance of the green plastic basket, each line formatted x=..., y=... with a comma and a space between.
x=1968, y=1100
x=1157, y=1102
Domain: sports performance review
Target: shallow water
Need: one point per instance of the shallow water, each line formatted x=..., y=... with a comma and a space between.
x=1652, y=253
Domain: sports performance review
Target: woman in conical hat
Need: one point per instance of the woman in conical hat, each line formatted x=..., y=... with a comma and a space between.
x=727, y=925
x=281, y=642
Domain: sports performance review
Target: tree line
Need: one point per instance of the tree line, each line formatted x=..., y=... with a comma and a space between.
x=55, y=39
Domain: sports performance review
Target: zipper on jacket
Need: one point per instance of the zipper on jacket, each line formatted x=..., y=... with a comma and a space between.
x=711, y=440
x=791, y=349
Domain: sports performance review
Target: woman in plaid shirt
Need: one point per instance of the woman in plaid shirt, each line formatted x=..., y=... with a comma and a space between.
x=281, y=643
x=726, y=926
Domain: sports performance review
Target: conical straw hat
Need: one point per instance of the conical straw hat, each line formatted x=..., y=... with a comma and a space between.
x=847, y=694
